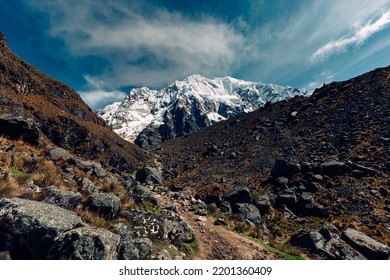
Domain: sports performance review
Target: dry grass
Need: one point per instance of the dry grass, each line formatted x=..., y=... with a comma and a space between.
x=10, y=188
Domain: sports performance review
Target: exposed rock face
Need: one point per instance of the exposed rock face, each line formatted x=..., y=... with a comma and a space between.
x=33, y=105
x=149, y=175
x=105, y=204
x=85, y=243
x=326, y=243
x=159, y=227
x=135, y=249
x=17, y=127
x=248, y=212
x=37, y=230
x=369, y=247
x=64, y=199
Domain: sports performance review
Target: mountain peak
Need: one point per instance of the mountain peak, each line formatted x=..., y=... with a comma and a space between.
x=150, y=117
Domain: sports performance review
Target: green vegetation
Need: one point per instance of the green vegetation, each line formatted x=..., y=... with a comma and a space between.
x=190, y=249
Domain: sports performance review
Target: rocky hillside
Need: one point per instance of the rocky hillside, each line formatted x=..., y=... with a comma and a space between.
x=150, y=117
x=312, y=173
x=38, y=109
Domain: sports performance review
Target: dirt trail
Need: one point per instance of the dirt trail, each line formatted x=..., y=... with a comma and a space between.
x=216, y=242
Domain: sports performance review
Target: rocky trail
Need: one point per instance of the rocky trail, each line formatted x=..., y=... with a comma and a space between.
x=216, y=242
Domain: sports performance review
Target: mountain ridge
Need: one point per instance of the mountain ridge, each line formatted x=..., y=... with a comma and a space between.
x=57, y=114
x=150, y=117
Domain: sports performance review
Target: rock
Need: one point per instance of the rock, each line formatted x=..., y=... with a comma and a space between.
x=306, y=167
x=225, y=207
x=333, y=168
x=85, y=165
x=64, y=199
x=220, y=222
x=176, y=188
x=263, y=203
x=85, y=243
x=318, y=178
x=19, y=127
x=149, y=175
x=135, y=249
x=281, y=183
x=287, y=198
x=38, y=230
x=158, y=227
x=142, y=194
x=213, y=198
x=330, y=248
x=248, y=211
x=311, y=186
x=284, y=168
x=105, y=204
x=5, y=256
x=369, y=247
x=364, y=171
x=29, y=228
x=88, y=186
x=57, y=153
x=163, y=255
x=179, y=231
x=99, y=171
x=239, y=196
x=330, y=231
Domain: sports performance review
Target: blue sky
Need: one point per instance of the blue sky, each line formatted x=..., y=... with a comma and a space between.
x=102, y=48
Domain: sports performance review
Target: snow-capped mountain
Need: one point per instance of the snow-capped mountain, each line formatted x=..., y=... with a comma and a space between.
x=149, y=117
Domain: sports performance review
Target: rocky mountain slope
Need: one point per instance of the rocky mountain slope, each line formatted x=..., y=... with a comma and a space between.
x=35, y=107
x=150, y=117
x=312, y=173
x=70, y=188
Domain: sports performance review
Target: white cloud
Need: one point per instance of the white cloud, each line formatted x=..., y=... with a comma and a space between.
x=144, y=43
x=362, y=33
x=96, y=97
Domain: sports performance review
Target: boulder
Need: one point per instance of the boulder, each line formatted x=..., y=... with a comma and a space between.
x=88, y=187
x=149, y=175
x=248, y=212
x=38, y=230
x=19, y=127
x=179, y=231
x=225, y=207
x=142, y=194
x=285, y=168
x=369, y=247
x=58, y=153
x=159, y=227
x=61, y=198
x=85, y=243
x=330, y=248
x=281, y=183
x=29, y=228
x=105, y=204
x=239, y=196
x=135, y=249
x=287, y=198
x=263, y=203
x=99, y=171
x=333, y=168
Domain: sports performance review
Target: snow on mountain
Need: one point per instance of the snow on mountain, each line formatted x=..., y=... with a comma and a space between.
x=150, y=117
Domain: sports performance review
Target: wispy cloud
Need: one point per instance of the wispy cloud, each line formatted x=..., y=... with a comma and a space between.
x=362, y=33
x=144, y=45
x=97, y=96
